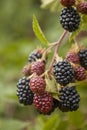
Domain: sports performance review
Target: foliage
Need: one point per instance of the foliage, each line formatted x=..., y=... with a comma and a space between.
x=38, y=32
x=12, y=124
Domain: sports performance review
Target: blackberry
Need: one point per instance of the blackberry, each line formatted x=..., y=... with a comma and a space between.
x=80, y=73
x=83, y=58
x=34, y=55
x=72, y=57
x=69, y=99
x=82, y=7
x=37, y=84
x=24, y=93
x=67, y=3
x=63, y=72
x=69, y=19
x=55, y=105
x=26, y=70
x=43, y=103
x=38, y=67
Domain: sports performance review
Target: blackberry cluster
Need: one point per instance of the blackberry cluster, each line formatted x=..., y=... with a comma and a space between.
x=69, y=19
x=32, y=90
x=24, y=93
x=63, y=72
x=34, y=56
x=35, y=87
x=69, y=99
x=83, y=58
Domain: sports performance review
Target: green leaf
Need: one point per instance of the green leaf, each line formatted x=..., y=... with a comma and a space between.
x=39, y=124
x=62, y=125
x=53, y=5
x=84, y=128
x=38, y=32
x=84, y=22
x=73, y=35
x=50, y=84
x=51, y=123
x=46, y=3
x=76, y=119
x=12, y=124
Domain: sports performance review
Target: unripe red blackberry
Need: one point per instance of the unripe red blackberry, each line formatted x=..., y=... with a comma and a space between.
x=82, y=7
x=38, y=67
x=72, y=57
x=36, y=54
x=69, y=99
x=55, y=105
x=37, y=84
x=63, y=72
x=25, y=95
x=83, y=58
x=43, y=103
x=69, y=19
x=67, y=3
x=80, y=73
x=26, y=70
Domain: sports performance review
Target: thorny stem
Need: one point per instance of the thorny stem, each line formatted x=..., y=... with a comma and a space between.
x=57, y=44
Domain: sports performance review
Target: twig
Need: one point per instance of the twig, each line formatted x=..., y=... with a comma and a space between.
x=57, y=44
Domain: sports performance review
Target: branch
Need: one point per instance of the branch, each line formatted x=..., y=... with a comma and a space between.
x=57, y=44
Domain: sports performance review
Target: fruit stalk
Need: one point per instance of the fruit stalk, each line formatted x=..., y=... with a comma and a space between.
x=58, y=43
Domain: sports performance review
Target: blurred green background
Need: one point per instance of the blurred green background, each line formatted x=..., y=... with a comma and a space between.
x=17, y=40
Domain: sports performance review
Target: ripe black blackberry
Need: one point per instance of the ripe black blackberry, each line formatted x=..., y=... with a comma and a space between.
x=69, y=19
x=83, y=58
x=69, y=99
x=63, y=72
x=43, y=103
x=55, y=105
x=24, y=93
x=34, y=55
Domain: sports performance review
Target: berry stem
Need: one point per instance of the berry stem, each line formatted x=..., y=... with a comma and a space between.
x=52, y=45
x=77, y=43
x=57, y=44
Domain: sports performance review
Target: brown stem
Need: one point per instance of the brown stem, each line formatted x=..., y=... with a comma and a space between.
x=57, y=44
x=51, y=46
